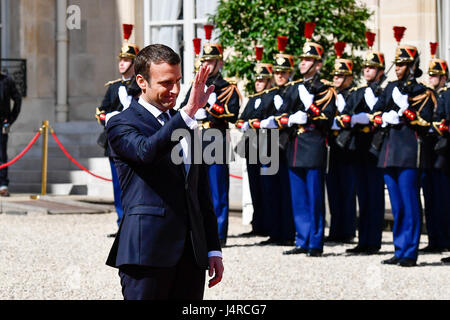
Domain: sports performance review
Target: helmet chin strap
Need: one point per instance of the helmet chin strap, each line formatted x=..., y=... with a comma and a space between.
x=309, y=69
x=128, y=69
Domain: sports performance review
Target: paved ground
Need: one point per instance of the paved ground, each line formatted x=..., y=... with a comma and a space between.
x=62, y=257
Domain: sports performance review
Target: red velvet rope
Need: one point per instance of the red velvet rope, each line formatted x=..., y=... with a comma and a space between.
x=75, y=161
x=84, y=169
x=20, y=155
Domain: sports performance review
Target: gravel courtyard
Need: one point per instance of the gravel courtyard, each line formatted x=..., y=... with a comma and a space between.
x=63, y=257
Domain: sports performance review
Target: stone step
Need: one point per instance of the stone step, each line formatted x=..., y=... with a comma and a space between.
x=102, y=190
x=76, y=151
x=28, y=162
x=58, y=176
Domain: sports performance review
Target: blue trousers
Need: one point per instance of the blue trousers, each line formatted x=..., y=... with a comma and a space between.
x=403, y=187
x=341, y=184
x=370, y=191
x=117, y=192
x=256, y=190
x=307, y=186
x=277, y=205
x=435, y=186
x=219, y=182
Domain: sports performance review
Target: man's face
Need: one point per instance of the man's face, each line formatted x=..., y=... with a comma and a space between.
x=400, y=70
x=213, y=65
x=124, y=64
x=281, y=77
x=338, y=81
x=260, y=84
x=435, y=80
x=164, y=86
x=305, y=65
x=370, y=73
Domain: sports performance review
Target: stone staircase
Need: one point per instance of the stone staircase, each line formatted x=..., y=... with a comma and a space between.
x=64, y=177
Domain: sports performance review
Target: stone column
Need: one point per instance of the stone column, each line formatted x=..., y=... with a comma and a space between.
x=62, y=40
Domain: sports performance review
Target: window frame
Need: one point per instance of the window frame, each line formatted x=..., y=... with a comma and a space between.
x=188, y=23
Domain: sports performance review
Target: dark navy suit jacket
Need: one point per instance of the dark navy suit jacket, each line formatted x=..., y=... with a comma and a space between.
x=161, y=204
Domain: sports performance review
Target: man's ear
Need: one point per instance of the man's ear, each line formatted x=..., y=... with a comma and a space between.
x=142, y=83
x=319, y=65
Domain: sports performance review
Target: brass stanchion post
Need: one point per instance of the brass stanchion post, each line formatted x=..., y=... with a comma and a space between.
x=45, y=127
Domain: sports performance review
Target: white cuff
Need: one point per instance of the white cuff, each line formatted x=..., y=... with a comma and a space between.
x=215, y=254
x=190, y=122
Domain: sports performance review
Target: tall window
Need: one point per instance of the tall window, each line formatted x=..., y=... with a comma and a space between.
x=443, y=14
x=175, y=23
x=1, y=29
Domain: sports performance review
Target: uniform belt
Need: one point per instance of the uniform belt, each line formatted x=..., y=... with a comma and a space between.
x=302, y=129
x=365, y=129
x=210, y=124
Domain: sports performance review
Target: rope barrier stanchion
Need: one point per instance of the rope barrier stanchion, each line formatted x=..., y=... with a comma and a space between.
x=72, y=159
x=44, y=128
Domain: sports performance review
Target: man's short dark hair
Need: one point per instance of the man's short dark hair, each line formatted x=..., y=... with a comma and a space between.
x=157, y=54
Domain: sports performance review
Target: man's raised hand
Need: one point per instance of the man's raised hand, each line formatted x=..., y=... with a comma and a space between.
x=198, y=97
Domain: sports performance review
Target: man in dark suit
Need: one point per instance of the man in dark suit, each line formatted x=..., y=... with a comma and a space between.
x=168, y=235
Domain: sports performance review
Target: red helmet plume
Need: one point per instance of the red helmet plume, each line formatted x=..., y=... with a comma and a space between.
x=370, y=38
x=127, y=29
x=339, y=47
x=398, y=33
x=282, y=42
x=309, y=29
x=197, y=45
x=208, y=31
x=433, y=48
x=259, y=52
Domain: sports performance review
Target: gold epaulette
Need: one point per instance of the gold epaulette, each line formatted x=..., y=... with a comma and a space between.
x=327, y=83
x=262, y=92
x=443, y=89
x=111, y=82
x=291, y=83
x=427, y=85
x=358, y=87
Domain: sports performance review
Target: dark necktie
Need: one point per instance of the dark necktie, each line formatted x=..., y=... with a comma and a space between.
x=164, y=117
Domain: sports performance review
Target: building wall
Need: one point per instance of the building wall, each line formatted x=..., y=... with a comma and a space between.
x=418, y=16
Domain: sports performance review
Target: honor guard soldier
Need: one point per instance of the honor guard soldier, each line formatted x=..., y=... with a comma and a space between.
x=340, y=178
x=8, y=92
x=407, y=108
x=222, y=108
x=118, y=98
x=369, y=178
x=276, y=194
x=435, y=180
x=310, y=113
x=263, y=82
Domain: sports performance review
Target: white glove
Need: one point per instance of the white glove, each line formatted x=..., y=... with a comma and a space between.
x=370, y=98
x=306, y=98
x=124, y=98
x=299, y=117
x=340, y=102
x=269, y=123
x=390, y=117
x=361, y=118
x=245, y=126
x=257, y=103
x=401, y=100
x=212, y=99
x=201, y=114
x=277, y=101
x=335, y=126
x=110, y=115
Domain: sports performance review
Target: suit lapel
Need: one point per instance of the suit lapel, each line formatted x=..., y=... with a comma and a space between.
x=145, y=115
